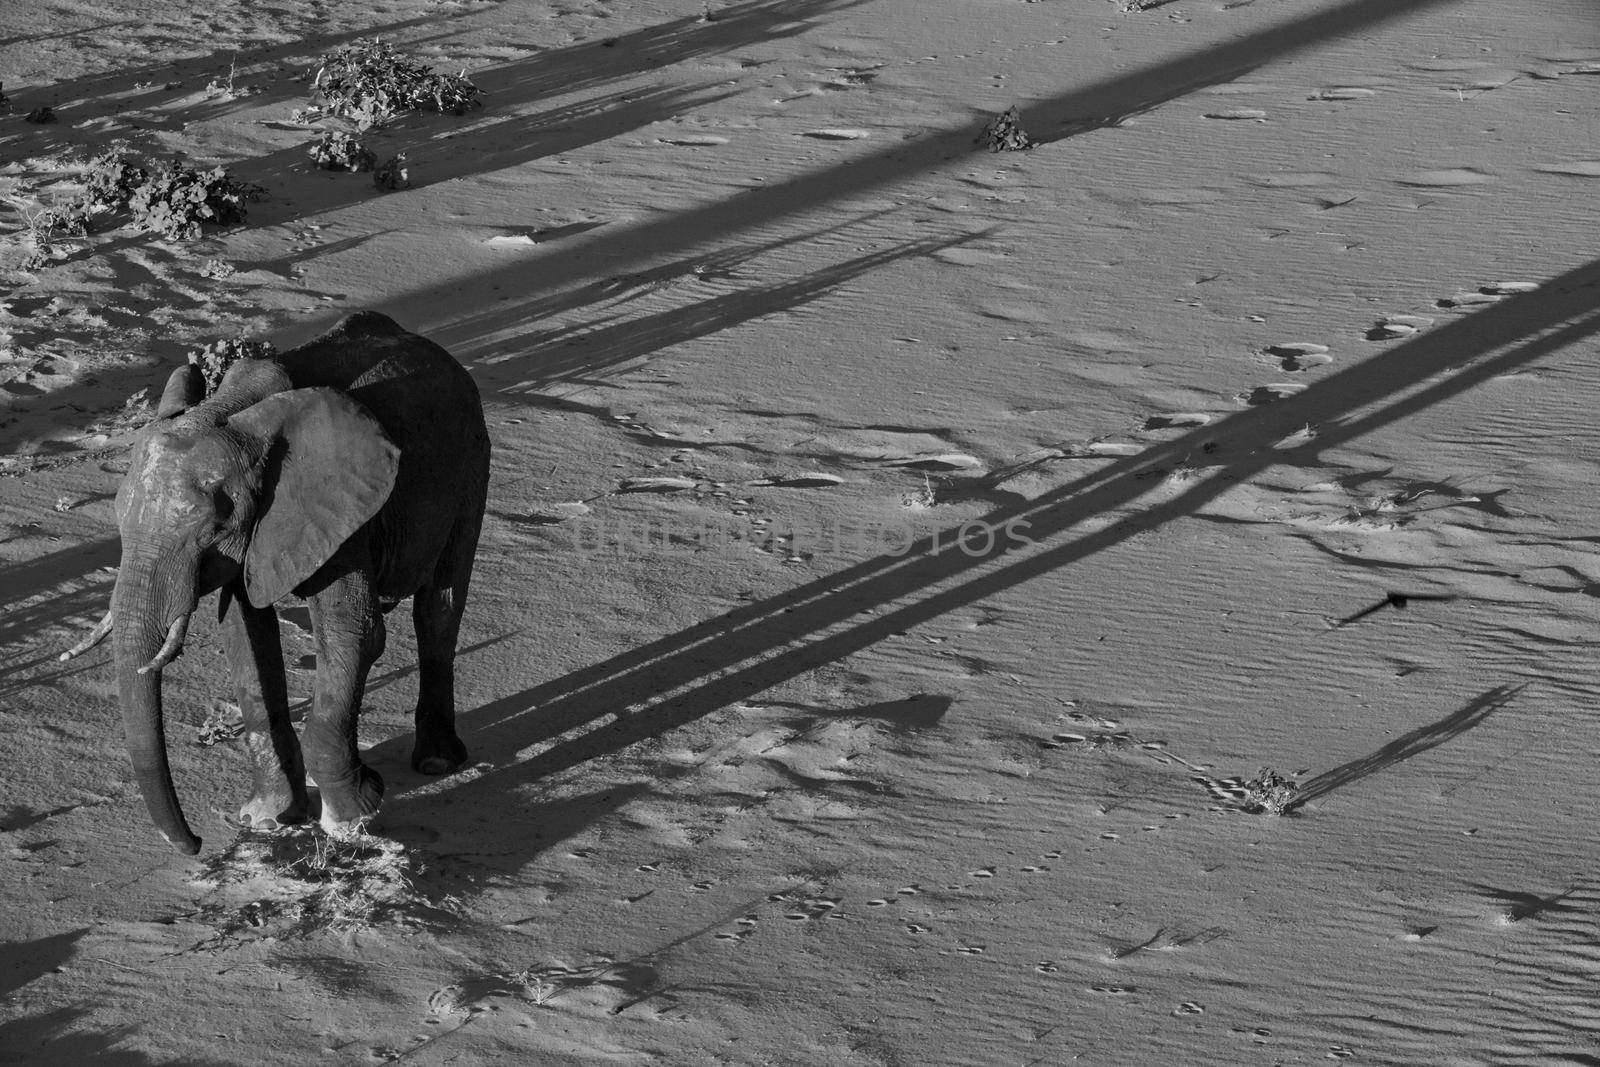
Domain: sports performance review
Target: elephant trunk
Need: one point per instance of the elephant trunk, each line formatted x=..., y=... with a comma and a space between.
x=144, y=644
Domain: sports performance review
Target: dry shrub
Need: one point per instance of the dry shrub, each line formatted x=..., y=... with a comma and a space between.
x=298, y=882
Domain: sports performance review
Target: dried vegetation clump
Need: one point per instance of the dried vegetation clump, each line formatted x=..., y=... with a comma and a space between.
x=1004, y=133
x=215, y=358
x=300, y=882
x=337, y=150
x=369, y=82
x=392, y=174
x=1269, y=793
x=176, y=200
x=167, y=198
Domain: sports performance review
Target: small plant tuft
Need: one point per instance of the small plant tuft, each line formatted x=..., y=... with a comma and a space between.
x=40, y=115
x=47, y=227
x=1269, y=793
x=215, y=358
x=392, y=174
x=228, y=88
x=337, y=150
x=1004, y=133
x=109, y=182
x=369, y=82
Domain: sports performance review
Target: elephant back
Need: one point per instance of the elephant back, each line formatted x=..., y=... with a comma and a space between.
x=429, y=406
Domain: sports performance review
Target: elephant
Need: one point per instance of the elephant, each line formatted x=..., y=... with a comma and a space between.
x=351, y=472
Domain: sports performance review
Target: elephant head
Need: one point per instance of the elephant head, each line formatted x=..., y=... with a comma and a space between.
x=252, y=489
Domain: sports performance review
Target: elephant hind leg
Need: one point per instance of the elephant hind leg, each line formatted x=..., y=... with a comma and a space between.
x=255, y=664
x=436, y=611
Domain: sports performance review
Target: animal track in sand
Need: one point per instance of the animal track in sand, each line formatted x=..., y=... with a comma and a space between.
x=943, y=461
x=1446, y=178
x=1295, y=356
x=815, y=908
x=1582, y=168
x=1176, y=419
x=809, y=480
x=1342, y=92
x=837, y=134
x=693, y=140
x=1266, y=394
x=1485, y=294
x=1238, y=114
x=1391, y=327
x=748, y=922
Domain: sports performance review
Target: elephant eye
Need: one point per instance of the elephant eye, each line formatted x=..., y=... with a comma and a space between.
x=223, y=504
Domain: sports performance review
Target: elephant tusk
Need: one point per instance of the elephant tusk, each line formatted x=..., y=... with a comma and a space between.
x=172, y=646
x=96, y=635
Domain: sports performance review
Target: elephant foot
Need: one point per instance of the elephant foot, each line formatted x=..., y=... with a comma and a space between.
x=273, y=811
x=444, y=754
x=348, y=806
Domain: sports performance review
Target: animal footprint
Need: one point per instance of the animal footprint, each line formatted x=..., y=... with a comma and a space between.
x=1266, y=394
x=1110, y=448
x=669, y=483
x=1188, y=1007
x=1468, y=299
x=837, y=134
x=1227, y=790
x=695, y=140
x=815, y=908
x=1393, y=326
x=1300, y=355
x=1239, y=114
x=943, y=461
x=1177, y=419
x=738, y=936
x=800, y=481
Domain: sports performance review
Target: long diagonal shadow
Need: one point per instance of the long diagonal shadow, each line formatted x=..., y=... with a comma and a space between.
x=742, y=653
x=1075, y=111
x=582, y=351
x=1403, y=748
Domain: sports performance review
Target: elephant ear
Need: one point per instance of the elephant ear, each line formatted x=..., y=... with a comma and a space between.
x=329, y=467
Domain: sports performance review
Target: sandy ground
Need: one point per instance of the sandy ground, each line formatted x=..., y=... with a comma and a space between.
x=1020, y=509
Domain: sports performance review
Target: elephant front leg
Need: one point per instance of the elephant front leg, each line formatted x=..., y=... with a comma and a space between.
x=255, y=663
x=350, y=637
